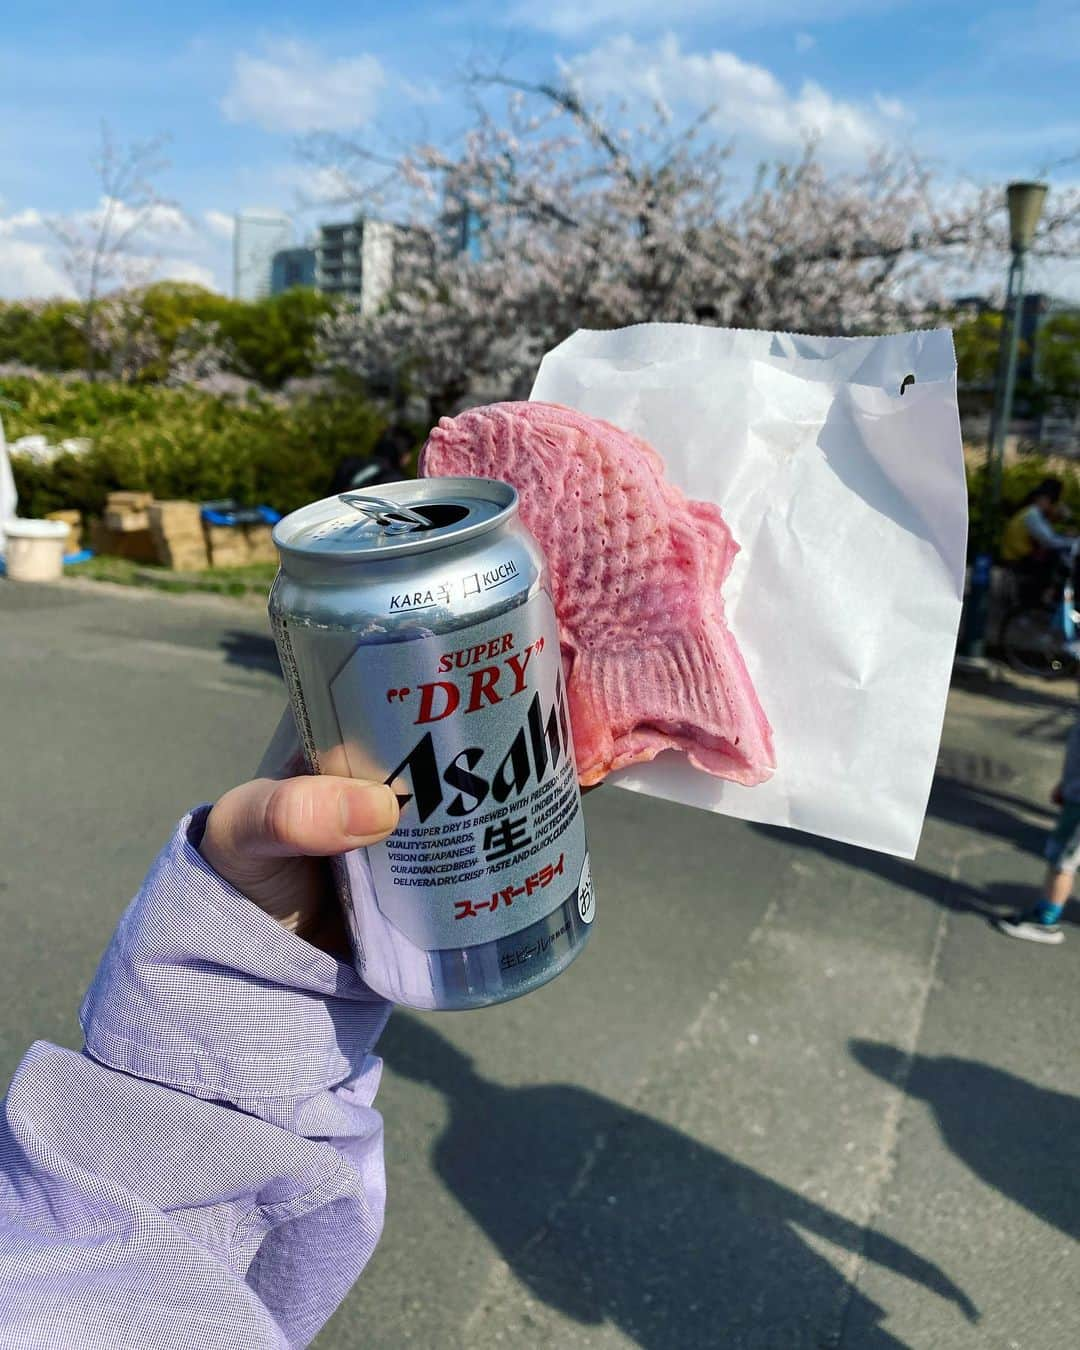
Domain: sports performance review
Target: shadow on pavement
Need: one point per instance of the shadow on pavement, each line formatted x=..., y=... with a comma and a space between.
x=958, y=895
x=1058, y=694
x=1051, y=728
x=252, y=651
x=995, y=794
x=988, y=811
x=608, y=1215
x=1021, y=1139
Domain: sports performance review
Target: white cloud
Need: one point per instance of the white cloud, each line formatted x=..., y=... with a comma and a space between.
x=804, y=41
x=423, y=92
x=185, y=269
x=318, y=184
x=294, y=88
x=892, y=108
x=160, y=221
x=27, y=270
x=170, y=247
x=1059, y=277
x=748, y=99
x=21, y=221
x=221, y=225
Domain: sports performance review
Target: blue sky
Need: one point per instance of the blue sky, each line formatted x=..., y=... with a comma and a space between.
x=985, y=92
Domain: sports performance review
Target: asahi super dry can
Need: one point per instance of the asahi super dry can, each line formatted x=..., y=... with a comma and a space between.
x=419, y=643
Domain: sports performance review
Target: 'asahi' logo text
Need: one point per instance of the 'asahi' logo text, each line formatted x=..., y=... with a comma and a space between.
x=536, y=748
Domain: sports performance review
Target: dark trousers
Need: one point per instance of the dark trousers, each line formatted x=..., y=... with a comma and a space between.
x=1034, y=577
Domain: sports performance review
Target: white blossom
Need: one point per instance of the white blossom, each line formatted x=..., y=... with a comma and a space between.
x=554, y=217
x=200, y=355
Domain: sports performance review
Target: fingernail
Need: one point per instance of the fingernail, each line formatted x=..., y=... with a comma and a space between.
x=368, y=808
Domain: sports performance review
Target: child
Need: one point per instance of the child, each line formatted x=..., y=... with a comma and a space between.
x=1040, y=923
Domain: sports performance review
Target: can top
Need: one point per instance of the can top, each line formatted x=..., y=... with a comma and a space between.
x=394, y=519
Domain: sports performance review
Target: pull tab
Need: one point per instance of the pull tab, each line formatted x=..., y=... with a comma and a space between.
x=389, y=516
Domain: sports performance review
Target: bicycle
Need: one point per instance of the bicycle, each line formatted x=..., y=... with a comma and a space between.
x=1040, y=638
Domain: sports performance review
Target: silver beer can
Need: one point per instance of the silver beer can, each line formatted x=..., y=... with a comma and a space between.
x=419, y=643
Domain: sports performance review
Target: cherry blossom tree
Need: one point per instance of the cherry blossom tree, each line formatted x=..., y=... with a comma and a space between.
x=550, y=215
x=100, y=247
x=119, y=336
x=201, y=354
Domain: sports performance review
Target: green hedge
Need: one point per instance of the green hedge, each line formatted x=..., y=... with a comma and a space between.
x=273, y=339
x=178, y=443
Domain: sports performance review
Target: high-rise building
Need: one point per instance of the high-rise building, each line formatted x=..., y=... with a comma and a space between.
x=292, y=267
x=356, y=258
x=463, y=227
x=257, y=237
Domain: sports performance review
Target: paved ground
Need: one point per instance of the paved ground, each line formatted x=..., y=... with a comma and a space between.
x=793, y=1095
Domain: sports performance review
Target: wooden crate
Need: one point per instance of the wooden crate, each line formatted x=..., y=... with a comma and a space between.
x=260, y=543
x=73, y=520
x=183, y=557
x=228, y=547
x=127, y=522
x=128, y=512
x=129, y=501
x=178, y=536
x=136, y=545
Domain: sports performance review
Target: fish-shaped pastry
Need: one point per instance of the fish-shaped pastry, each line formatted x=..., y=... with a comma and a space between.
x=636, y=572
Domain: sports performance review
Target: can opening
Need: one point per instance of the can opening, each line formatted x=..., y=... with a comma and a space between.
x=396, y=518
x=439, y=514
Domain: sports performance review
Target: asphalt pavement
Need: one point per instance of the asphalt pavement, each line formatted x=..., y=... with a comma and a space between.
x=794, y=1094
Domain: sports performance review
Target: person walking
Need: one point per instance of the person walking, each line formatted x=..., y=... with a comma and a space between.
x=1041, y=923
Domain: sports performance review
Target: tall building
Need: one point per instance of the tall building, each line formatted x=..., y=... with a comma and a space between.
x=356, y=258
x=257, y=237
x=292, y=267
x=463, y=227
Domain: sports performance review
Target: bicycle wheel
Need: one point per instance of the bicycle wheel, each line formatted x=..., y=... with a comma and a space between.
x=1033, y=644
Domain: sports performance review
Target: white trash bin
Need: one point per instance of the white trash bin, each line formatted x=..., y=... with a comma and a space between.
x=35, y=549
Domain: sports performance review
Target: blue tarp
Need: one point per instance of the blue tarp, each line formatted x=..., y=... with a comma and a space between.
x=228, y=513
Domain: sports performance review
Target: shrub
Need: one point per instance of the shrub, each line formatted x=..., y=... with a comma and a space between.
x=274, y=339
x=179, y=443
x=41, y=335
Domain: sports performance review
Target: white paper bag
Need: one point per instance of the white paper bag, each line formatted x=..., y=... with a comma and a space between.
x=842, y=480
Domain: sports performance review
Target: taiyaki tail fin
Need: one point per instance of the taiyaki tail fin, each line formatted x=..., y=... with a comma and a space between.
x=678, y=692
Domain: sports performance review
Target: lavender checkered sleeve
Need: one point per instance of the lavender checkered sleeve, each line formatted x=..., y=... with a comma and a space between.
x=209, y=1171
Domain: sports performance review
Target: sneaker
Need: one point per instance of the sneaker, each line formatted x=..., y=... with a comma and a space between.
x=1030, y=928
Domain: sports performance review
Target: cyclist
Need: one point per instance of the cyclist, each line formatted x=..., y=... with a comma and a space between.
x=1030, y=545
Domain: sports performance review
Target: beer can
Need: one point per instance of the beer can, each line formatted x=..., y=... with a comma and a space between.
x=418, y=638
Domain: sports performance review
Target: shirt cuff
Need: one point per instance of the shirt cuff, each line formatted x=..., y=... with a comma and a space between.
x=201, y=990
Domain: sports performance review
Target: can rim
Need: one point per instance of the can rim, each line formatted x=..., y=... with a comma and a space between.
x=409, y=493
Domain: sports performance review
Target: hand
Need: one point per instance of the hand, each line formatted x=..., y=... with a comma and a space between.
x=269, y=838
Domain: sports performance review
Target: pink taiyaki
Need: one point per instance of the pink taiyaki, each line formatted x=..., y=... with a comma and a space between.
x=636, y=571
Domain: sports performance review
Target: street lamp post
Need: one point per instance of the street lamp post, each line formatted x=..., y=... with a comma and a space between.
x=1025, y=201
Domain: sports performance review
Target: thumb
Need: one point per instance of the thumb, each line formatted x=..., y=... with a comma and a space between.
x=298, y=817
